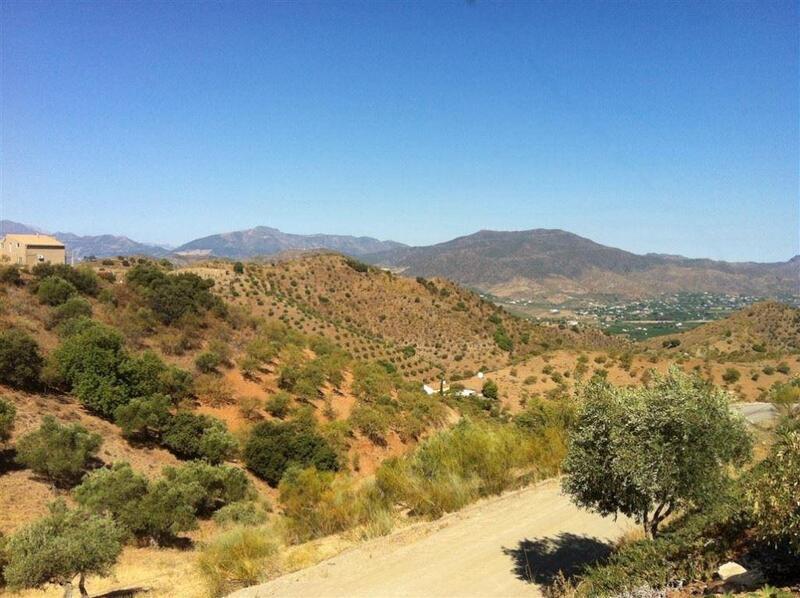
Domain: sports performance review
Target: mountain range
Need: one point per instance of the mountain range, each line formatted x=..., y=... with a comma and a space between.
x=263, y=240
x=548, y=264
x=552, y=263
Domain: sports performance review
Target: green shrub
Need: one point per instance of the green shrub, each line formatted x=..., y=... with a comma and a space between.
x=10, y=275
x=208, y=362
x=317, y=503
x=273, y=446
x=773, y=493
x=278, y=404
x=238, y=268
x=372, y=382
x=59, y=452
x=55, y=290
x=237, y=558
x=7, y=414
x=117, y=492
x=246, y=512
x=175, y=296
x=768, y=370
x=59, y=547
x=783, y=368
x=372, y=421
x=20, y=360
x=454, y=467
x=167, y=509
x=74, y=307
x=502, y=339
x=193, y=436
x=221, y=484
x=490, y=389
x=731, y=375
x=82, y=278
x=101, y=374
x=144, y=418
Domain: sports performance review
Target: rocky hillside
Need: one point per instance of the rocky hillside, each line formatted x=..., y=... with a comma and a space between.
x=546, y=263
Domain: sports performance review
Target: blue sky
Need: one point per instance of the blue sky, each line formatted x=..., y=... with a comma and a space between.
x=668, y=127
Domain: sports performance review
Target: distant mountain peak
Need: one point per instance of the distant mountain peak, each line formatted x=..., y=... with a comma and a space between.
x=266, y=240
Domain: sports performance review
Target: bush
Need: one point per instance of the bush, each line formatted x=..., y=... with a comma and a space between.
x=208, y=362
x=502, y=339
x=768, y=370
x=317, y=503
x=10, y=275
x=455, y=467
x=731, y=375
x=273, y=446
x=59, y=452
x=238, y=268
x=116, y=492
x=145, y=418
x=773, y=493
x=60, y=546
x=278, y=404
x=221, y=484
x=172, y=297
x=74, y=307
x=650, y=451
x=167, y=509
x=246, y=512
x=490, y=390
x=82, y=278
x=55, y=290
x=783, y=368
x=94, y=364
x=237, y=558
x=193, y=436
x=372, y=421
x=7, y=414
x=20, y=360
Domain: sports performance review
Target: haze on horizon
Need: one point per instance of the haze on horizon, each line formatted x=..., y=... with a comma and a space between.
x=658, y=127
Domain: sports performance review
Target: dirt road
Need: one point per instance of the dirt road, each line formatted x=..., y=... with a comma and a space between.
x=499, y=547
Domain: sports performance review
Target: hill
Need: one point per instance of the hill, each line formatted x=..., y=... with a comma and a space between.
x=545, y=263
x=765, y=328
x=423, y=327
x=263, y=240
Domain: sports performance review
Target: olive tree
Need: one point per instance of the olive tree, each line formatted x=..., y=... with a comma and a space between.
x=59, y=547
x=647, y=452
x=59, y=452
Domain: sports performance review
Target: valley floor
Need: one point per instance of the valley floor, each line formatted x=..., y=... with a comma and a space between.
x=499, y=547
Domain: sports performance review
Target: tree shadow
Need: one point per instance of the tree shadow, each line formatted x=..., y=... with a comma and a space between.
x=8, y=461
x=540, y=561
x=124, y=592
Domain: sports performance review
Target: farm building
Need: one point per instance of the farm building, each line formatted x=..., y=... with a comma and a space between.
x=29, y=250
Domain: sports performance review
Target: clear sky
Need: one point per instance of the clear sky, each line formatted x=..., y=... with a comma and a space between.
x=668, y=127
